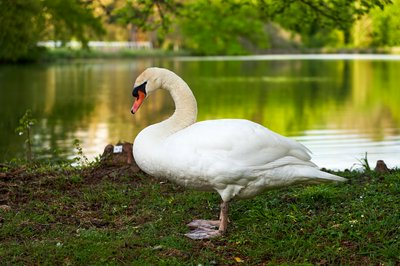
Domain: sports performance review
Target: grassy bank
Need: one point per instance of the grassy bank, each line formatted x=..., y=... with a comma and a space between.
x=111, y=215
x=68, y=54
x=41, y=54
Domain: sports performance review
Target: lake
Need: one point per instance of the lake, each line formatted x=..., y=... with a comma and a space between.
x=340, y=106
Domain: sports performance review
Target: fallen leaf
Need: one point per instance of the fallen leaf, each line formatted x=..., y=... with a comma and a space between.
x=237, y=259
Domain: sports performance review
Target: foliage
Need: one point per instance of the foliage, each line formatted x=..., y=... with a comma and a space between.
x=232, y=27
x=25, y=124
x=204, y=27
x=210, y=28
x=148, y=15
x=71, y=19
x=364, y=163
x=24, y=23
x=80, y=158
x=20, y=27
x=66, y=216
x=314, y=19
x=386, y=25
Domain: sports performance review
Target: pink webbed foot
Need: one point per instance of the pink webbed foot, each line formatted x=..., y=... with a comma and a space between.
x=204, y=229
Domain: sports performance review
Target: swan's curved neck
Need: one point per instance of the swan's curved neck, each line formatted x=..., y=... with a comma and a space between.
x=185, y=107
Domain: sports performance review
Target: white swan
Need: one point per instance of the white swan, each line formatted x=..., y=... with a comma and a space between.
x=235, y=157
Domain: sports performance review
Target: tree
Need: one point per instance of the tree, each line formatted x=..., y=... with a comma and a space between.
x=20, y=27
x=68, y=19
x=386, y=25
x=221, y=27
x=205, y=26
x=148, y=15
x=231, y=26
x=23, y=23
x=309, y=17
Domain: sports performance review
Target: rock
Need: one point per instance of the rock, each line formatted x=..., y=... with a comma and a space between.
x=381, y=167
x=118, y=155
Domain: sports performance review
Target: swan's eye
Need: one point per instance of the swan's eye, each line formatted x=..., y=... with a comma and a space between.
x=141, y=87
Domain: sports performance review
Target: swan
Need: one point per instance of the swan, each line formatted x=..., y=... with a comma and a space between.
x=235, y=157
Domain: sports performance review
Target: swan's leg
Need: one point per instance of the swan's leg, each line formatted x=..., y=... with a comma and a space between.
x=223, y=217
x=205, y=229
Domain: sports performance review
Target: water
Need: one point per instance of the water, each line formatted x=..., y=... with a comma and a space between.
x=340, y=107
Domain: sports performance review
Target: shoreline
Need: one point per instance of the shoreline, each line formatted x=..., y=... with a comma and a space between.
x=68, y=54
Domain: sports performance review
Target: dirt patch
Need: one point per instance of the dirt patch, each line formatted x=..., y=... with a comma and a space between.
x=21, y=185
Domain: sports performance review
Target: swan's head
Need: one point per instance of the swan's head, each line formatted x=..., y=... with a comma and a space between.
x=147, y=82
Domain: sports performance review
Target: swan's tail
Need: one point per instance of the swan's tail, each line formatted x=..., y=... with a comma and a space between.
x=292, y=170
x=331, y=177
x=316, y=176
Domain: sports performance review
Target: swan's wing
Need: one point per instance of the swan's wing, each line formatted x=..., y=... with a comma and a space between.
x=240, y=145
x=237, y=157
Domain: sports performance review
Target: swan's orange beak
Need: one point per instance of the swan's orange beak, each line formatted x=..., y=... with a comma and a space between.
x=138, y=102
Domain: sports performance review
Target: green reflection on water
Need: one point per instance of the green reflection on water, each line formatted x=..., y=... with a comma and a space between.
x=90, y=100
x=294, y=96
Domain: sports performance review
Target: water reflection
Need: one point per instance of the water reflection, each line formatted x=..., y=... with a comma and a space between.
x=339, y=108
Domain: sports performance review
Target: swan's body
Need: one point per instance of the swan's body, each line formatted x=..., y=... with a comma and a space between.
x=235, y=157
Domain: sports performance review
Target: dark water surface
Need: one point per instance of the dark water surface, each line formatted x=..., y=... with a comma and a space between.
x=339, y=107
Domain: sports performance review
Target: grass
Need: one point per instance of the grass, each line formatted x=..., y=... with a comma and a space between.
x=112, y=216
x=68, y=54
